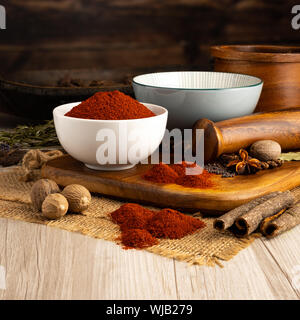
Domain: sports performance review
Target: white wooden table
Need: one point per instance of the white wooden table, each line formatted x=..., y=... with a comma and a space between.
x=39, y=262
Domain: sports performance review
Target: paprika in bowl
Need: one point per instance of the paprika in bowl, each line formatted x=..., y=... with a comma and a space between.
x=110, y=144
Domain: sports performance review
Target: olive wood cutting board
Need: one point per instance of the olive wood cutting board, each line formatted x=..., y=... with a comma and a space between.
x=128, y=184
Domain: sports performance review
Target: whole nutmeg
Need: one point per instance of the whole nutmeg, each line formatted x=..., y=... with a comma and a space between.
x=265, y=150
x=55, y=206
x=78, y=196
x=40, y=190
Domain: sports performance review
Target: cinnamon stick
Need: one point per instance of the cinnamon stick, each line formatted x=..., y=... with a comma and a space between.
x=249, y=222
x=284, y=222
x=227, y=220
x=264, y=224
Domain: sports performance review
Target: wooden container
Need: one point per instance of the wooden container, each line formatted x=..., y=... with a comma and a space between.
x=277, y=66
x=33, y=94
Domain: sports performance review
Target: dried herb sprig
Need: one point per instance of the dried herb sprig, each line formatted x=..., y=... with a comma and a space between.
x=23, y=136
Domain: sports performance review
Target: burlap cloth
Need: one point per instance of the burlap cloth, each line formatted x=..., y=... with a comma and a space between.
x=205, y=247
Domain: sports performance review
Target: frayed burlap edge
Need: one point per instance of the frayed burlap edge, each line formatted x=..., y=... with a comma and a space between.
x=206, y=247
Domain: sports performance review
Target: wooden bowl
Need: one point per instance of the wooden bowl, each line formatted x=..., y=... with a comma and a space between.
x=34, y=94
x=277, y=66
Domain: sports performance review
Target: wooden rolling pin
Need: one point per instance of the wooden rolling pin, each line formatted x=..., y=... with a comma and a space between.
x=230, y=135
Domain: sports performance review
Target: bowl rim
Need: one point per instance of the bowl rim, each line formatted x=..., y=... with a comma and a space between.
x=260, y=81
x=57, y=114
x=269, y=55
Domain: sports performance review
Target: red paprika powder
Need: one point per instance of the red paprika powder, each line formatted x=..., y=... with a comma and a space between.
x=171, y=224
x=131, y=216
x=138, y=239
x=113, y=105
x=201, y=181
x=181, y=168
x=141, y=227
x=161, y=173
x=176, y=173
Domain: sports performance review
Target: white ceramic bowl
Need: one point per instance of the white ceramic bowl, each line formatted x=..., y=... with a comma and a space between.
x=192, y=95
x=129, y=141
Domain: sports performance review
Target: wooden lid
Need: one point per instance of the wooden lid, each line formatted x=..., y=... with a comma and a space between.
x=259, y=53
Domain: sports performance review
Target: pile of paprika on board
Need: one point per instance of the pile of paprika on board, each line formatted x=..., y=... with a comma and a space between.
x=161, y=173
x=113, y=105
x=177, y=173
x=141, y=227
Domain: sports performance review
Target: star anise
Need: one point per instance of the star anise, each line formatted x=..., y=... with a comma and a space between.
x=245, y=164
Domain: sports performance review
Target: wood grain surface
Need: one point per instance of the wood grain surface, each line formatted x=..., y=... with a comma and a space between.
x=147, y=34
x=46, y=263
x=277, y=66
x=128, y=184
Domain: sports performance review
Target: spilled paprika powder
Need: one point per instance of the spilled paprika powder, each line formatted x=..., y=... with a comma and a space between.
x=201, y=181
x=171, y=224
x=180, y=168
x=113, y=105
x=161, y=173
x=176, y=173
x=137, y=238
x=141, y=227
x=131, y=216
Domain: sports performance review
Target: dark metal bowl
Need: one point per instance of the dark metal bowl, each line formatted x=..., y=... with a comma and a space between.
x=34, y=94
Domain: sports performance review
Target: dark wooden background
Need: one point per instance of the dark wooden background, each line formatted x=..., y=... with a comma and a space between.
x=135, y=35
